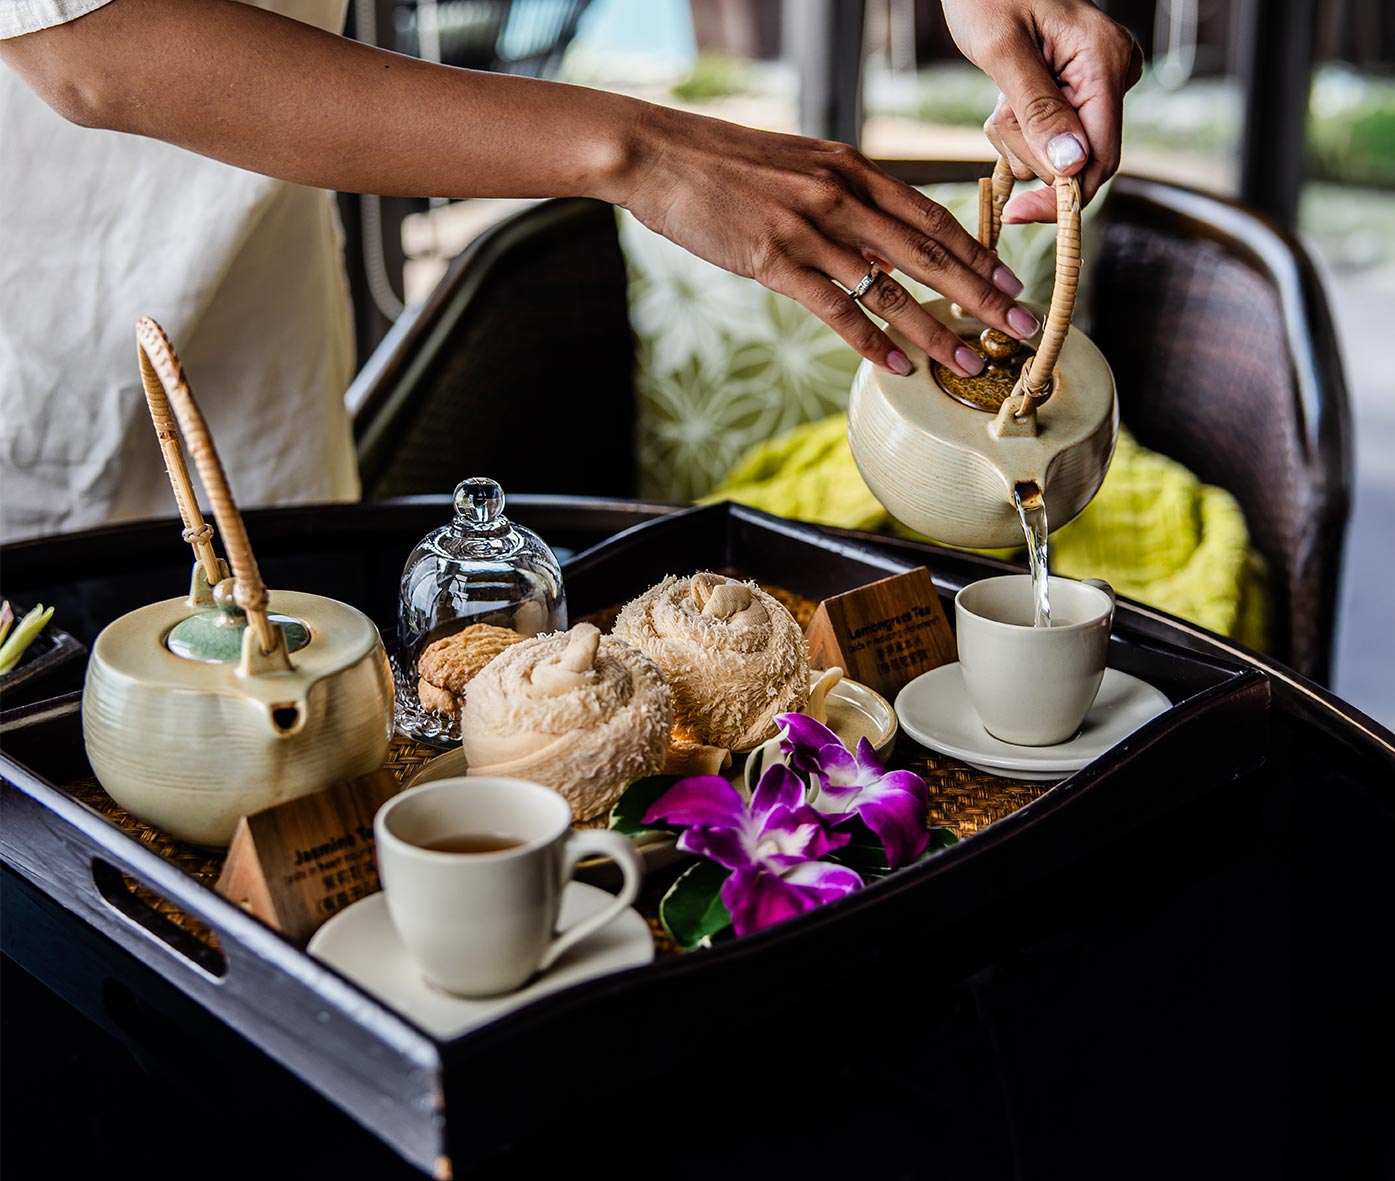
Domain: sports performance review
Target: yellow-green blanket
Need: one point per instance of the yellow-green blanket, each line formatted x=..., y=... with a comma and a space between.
x=1154, y=531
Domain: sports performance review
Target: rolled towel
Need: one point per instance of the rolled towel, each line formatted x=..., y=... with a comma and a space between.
x=733, y=655
x=583, y=713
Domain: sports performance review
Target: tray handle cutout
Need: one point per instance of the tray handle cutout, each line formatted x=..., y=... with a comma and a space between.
x=151, y=912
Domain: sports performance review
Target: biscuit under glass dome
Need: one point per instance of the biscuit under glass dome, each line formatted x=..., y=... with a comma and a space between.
x=479, y=567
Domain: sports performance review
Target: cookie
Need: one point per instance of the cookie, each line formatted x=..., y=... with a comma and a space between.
x=443, y=701
x=447, y=666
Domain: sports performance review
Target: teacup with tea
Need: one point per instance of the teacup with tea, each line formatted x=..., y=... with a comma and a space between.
x=473, y=869
x=1033, y=685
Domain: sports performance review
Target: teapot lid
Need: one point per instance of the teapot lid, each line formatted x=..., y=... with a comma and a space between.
x=1003, y=358
x=215, y=637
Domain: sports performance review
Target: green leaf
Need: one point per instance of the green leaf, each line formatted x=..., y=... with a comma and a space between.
x=627, y=816
x=693, y=910
x=864, y=853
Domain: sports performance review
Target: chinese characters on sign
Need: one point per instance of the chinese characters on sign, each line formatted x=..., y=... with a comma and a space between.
x=884, y=634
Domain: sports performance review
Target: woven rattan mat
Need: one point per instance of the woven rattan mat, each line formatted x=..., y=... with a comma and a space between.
x=962, y=799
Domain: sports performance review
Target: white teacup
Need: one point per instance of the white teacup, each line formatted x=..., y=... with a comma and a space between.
x=1033, y=686
x=483, y=922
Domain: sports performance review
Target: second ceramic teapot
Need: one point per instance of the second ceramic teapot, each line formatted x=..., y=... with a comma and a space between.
x=947, y=456
x=199, y=710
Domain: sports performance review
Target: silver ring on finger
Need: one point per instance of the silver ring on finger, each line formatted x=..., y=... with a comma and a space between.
x=865, y=285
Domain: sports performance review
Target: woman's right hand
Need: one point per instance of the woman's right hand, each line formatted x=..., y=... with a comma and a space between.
x=803, y=216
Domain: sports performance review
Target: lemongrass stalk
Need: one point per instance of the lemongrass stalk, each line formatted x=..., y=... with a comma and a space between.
x=24, y=634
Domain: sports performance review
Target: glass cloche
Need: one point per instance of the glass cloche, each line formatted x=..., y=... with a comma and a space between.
x=479, y=568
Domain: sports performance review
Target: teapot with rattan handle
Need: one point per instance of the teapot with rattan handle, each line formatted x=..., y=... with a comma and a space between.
x=945, y=455
x=198, y=710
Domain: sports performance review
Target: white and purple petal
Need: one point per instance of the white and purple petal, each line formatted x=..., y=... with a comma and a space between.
x=823, y=880
x=802, y=739
x=867, y=760
x=728, y=846
x=839, y=779
x=899, y=822
x=779, y=787
x=758, y=899
x=791, y=835
x=699, y=799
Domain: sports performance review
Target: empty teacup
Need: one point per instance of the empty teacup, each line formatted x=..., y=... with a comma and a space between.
x=473, y=870
x=1031, y=685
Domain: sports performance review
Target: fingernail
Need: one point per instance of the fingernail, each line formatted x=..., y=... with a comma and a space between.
x=970, y=361
x=1006, y=282
x=1024, y=324
x=898, y=362
x=1064, y=150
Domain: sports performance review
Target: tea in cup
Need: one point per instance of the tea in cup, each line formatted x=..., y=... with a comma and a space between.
x=1033, y=686
x=473, y=870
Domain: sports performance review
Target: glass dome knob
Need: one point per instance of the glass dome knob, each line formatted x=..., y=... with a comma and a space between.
x=478, y=501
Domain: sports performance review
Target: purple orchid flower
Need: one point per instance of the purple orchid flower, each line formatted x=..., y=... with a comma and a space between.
x=772, y=847
x=893, y=804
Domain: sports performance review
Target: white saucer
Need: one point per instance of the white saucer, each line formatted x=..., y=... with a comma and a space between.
x=934, y=709
x=362, y=943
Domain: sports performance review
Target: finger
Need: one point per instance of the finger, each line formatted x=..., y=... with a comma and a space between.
x=1054, y=140
x=934, y=264
x=902, y=222
x=1101, y=112
x=1030, y=205
x=899, y=308
x=817, y=293
x=1005, y=134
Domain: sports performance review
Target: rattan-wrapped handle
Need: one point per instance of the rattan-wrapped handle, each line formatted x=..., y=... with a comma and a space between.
x=993, y=194
x=174, y=412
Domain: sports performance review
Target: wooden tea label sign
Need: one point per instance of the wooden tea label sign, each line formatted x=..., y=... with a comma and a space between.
x=883, y=634
x=297, y=864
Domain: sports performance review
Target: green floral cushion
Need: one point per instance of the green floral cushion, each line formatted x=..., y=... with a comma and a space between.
x=724, y=363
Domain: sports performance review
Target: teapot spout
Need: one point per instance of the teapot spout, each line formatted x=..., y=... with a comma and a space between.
x=1029, y=495
x=288, y=717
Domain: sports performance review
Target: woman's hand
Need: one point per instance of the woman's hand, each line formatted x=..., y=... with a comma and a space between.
x=1063, y=67
x=798, y=214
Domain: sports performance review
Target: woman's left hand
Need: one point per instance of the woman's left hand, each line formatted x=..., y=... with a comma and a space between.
x=1063, y=68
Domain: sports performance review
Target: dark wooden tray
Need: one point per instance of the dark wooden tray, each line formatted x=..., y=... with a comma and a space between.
x=442, y=1106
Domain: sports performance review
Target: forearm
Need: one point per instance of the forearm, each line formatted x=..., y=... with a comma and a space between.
x=805, y=217
x=282, y=98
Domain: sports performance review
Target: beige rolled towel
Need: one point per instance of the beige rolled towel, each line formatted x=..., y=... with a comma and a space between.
x=583, y=713
x=733, y=655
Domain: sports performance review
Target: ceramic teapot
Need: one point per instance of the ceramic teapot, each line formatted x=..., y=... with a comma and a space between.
x=199, y=710
x=945, y=455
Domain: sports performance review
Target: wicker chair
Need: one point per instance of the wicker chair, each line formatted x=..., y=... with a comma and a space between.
x=519, y=366
x=1225, y=357
x=1212, y=318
